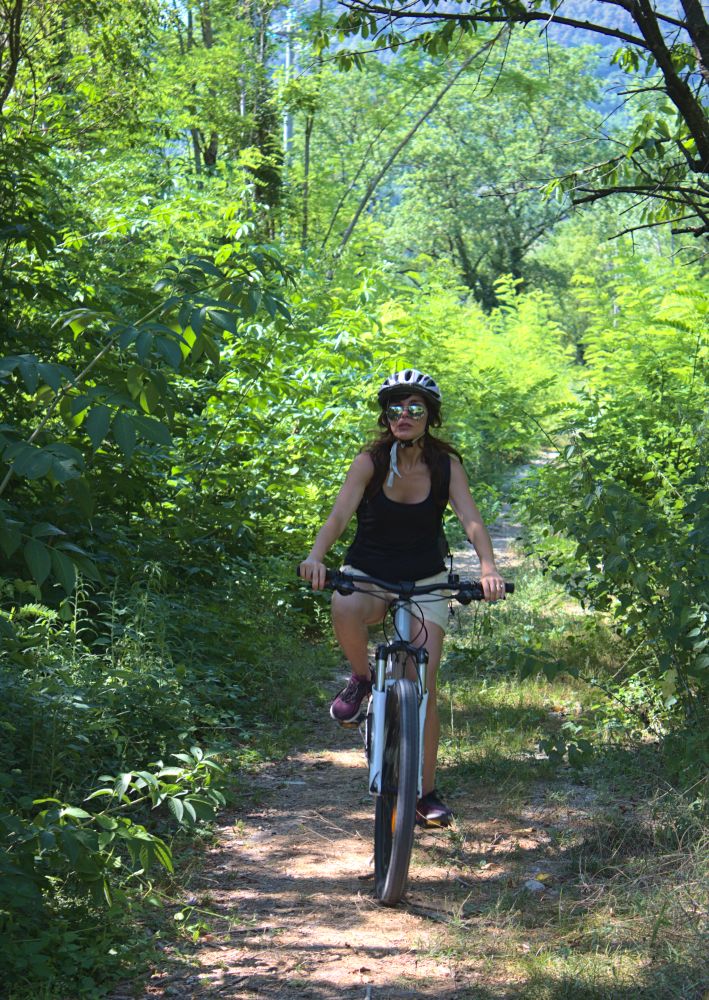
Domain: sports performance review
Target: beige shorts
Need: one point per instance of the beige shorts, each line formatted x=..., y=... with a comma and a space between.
x=434, y=607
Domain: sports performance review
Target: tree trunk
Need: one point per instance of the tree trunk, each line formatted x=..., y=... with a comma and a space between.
x=196, y=151
x=309, y=122
x=209, y=151
x=468, y=270
x=678, y=91
x=10, y=49
x=699, y=33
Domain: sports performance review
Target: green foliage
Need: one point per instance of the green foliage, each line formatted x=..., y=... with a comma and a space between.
x=62, y=852
x=665, y=147
x=630, y=488
x=188, y=367
x=471, y=190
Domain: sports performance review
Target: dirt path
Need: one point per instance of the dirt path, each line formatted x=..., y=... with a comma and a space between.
x=290, y=892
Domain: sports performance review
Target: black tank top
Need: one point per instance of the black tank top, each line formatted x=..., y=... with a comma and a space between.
x=401, y=541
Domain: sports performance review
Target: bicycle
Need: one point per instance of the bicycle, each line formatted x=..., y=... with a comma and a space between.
x=394, y=723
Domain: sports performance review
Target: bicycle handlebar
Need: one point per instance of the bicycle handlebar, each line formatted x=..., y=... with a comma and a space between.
x=464, y=591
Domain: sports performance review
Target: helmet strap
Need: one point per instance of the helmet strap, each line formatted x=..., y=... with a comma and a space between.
x=393, y=466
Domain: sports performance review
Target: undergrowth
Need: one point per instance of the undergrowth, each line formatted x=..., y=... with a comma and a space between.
x=125, y=717
x=615, y=821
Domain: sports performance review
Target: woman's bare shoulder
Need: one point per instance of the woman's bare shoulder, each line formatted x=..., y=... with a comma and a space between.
x=362, y=465
x=364, y=459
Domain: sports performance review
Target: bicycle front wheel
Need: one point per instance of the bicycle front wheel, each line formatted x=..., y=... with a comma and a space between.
x=395, y=812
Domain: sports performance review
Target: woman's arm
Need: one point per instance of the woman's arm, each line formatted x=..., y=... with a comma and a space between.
x=469, y=516
x=360, y=472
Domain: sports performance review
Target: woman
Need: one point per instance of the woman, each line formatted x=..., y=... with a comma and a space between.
x=399, y=486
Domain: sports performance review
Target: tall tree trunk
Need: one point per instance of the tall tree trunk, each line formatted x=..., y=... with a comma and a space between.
x=210, y=150
x=266, y=134
x=309, y=122
x=10, y=48
x=196, y=151
x=678, y=90
x=698, y=29
x=205, y=21
x=469, y=271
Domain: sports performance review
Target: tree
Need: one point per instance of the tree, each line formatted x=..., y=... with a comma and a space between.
x=665, y=157
x=471, y=187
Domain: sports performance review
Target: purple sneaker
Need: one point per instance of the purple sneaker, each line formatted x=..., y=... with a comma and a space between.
x=345, y=708
x=430, y=811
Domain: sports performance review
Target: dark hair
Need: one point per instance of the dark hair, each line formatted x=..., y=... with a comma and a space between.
x=433, y=449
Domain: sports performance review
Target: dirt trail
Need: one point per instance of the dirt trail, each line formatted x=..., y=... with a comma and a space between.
x=291, y=880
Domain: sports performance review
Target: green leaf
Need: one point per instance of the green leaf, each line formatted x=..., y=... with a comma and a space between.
x=31, y=462
x=122, y=782
x=98, y=793
x=210, y=349
x=176, y=808
x=171, y=772
x=223, y=320
x=38, y=560
x=124, y=435
x=64, y=570
x=127, y=337
x=97, y=424
x=106, y=822
x=148, y=778
x=75, y=812
x=30, y=376
x=163, y=854
x=149, y=398
x=197, y=320
x=10, y=539
x=144, y=344
x=170, y=350
x=135, y=377
x=53, y=375
x=7, y=629
x=153, y=430
x=46, y=530
x=9, y=364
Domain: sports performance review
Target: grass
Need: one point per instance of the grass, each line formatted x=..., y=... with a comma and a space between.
x=620, y=849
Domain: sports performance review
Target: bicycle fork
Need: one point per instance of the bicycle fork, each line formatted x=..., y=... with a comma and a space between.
x=383, y=679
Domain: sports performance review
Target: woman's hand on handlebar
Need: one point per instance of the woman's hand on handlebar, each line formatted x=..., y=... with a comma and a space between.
x=493, y=586
x=315, y=571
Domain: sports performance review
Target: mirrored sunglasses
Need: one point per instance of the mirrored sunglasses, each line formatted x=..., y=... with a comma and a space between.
x=396, y=411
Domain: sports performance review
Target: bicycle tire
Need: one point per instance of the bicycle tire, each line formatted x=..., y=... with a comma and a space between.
x=395, y=810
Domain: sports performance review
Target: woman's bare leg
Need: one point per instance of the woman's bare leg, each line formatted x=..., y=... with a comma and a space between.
x=432, y=726
x=351, y=616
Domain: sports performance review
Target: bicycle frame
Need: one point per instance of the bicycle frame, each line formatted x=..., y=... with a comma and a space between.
x=394, y=724
x=391, y=663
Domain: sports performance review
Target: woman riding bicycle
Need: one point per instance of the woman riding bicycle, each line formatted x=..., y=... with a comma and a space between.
x=399, y=487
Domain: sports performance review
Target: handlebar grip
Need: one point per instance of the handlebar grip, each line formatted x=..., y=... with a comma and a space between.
x=328, y=573
x=509, y=588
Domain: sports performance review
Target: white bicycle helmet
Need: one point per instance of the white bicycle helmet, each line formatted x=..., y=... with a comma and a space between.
x=411, y=380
